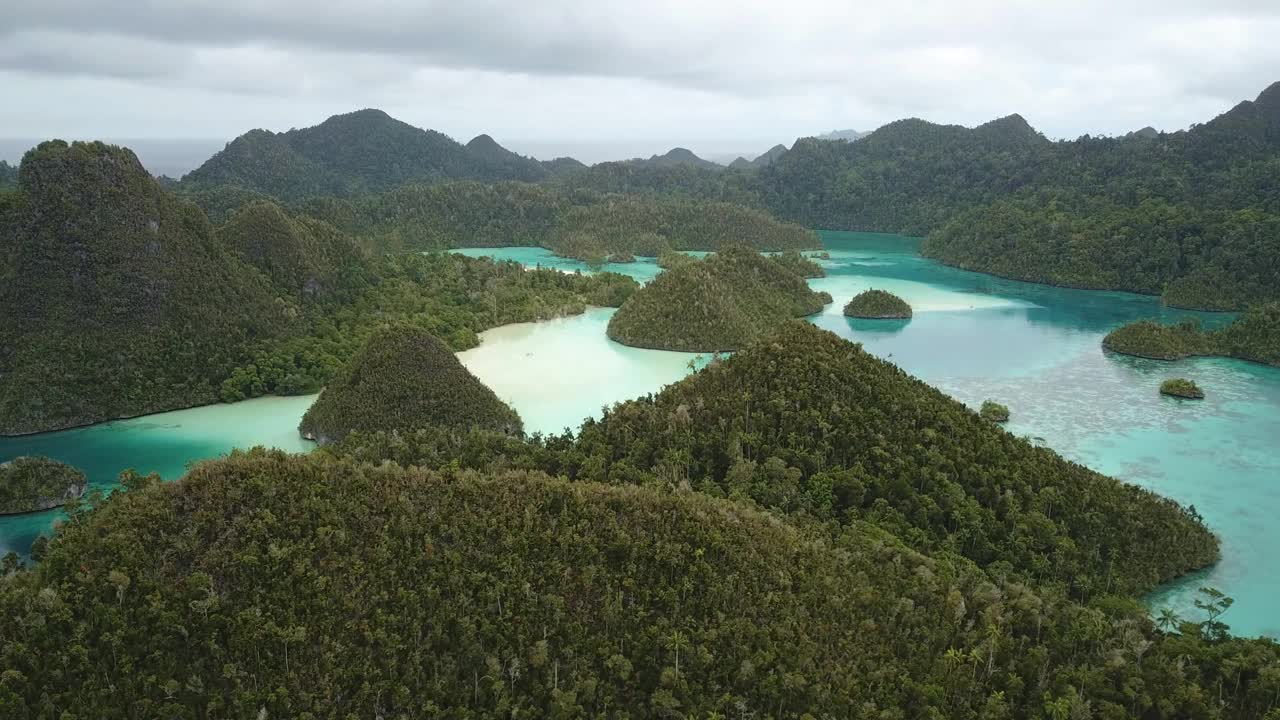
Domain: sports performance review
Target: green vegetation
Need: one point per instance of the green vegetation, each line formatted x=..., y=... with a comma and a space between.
x=916, y=562
x=1181, y=388
x=1253, y=336
x=718, y=304
x=32, y=483
x=800, y=265
x=120, y=299
x=994, y=411
x=877, y=305
x=582, y=226
x=1192, y=216
x=1150, y=339
x=8, y=177
x=806, y=422
x=354, y=154
x=401, y=380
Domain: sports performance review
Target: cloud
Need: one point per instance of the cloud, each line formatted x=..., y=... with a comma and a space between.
x=582, y=67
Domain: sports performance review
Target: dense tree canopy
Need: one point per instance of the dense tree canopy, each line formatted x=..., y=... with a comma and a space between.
x=401, y=380
x=31, y=483
x=1253, y=336
x=804, y=421
x=120, y=298
x=1181, y=388
x=877, y=305
x=717, y=304
x=8, y=177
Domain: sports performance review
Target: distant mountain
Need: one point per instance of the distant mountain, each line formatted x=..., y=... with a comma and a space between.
x=770, y=155
x=740, y=163
x=562, y=165
x=849, y=135
x=1146, y=133
x=356, y=153
x=676, y=157
x=500, y=163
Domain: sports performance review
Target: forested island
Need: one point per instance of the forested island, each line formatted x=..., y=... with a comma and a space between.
x=714, y=305
x=33, y=483
x=1253, y=336
x=1181, y=388
x=401, y=380
x=876, y=304
x=837, y=557
x=122, y=299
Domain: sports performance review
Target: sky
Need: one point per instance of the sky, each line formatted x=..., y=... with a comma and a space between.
x=547, y=76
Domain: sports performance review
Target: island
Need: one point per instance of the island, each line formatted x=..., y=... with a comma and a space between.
x=1254, y=335
x=994, y=411
x=32, y=483
x=405, y=378
x=1181, y=388
x=877, y=305
x=714, y=305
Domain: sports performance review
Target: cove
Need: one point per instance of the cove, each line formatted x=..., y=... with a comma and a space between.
x=1032, y=347
x=1038, y=350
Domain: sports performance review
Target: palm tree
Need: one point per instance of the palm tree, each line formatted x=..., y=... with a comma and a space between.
x=1168, y=620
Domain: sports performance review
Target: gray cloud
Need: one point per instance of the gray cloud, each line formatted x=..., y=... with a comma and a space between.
x=556, y=69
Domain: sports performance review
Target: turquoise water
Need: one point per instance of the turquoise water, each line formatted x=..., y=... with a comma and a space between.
x=1032, y=347
x=1038, y=350
x=163, y=443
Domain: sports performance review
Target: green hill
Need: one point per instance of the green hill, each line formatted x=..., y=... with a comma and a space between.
x=401, y=380
x=32, y=483
x=718, y=304
x=352, y=154
x=119, y=300
x=270, y=585
x=308, y=257
x=8, y=176
x=1253, y=336
x=877, y=304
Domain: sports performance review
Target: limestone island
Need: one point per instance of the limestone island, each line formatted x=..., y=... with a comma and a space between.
x=714, y=305
x=404, y=379
x=1181, y=388
x=1151, y=340
x=1254, y=335
x=994, y=411
x=877, y=305
x=34, y=483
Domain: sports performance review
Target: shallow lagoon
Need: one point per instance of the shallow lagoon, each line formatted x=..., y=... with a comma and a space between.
x=1031, y=347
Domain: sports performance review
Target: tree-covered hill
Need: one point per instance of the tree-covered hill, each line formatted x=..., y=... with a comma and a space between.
x=270, y=585
x=572, y=223
x=308, y=257
x=8, y=176
x=715, y=305
x=877, y=304
x=118, y=298
x=806, y=422
x=676, y=157
x=1253, y=336
x=34, y=483
x=356, y=153
x=401, y=380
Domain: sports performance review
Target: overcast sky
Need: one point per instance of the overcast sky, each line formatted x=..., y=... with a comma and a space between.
x=530, y=72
